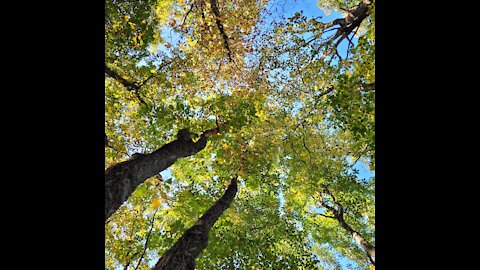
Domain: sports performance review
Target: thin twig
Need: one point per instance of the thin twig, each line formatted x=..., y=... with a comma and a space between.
x=146, y=241
x=326, y=216
x=359, y=156
x=188, y=12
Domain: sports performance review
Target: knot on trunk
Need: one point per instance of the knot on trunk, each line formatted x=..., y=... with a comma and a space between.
x=184, y=135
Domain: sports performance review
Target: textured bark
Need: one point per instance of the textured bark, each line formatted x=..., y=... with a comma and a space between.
x=345, y=26
x=181, y=256
x=338, y=214
x=356, y=16
x=369, y=249
x=123, y=178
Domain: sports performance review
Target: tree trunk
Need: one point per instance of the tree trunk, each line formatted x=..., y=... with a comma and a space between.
x=123, y=178
x=181, y=256
x=338, y=214
x=369, y=249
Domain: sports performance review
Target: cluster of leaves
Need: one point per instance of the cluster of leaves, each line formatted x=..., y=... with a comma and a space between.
x=296, y=122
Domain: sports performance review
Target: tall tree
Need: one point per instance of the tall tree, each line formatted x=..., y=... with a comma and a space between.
x=181, y=256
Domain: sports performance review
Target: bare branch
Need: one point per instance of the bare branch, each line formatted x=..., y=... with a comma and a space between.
x=188, y=12
x=326, y=216
x=360, y=155
x=148, y=238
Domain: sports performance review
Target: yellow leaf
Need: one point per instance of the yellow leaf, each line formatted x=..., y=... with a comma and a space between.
x=190, y=42
x=155, y=203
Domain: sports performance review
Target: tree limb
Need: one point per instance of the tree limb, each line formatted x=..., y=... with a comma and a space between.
x=148, y=238
x=326, y=216
x=352, y=21
x=131, y=86
x=214, y=6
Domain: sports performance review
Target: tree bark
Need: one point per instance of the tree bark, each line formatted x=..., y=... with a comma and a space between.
x=216, y=12
x=369, y=248
x=338, y=214
x=131, y=86
x=123, y=178
x=181, y=256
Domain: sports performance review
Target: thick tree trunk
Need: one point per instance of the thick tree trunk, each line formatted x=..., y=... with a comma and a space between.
x=123, y=178
x=181, y=256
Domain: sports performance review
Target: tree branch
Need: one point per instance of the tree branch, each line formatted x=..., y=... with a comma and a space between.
x=214, y=6
x=326, y=216
x=317, y=98
x=188, y=12
x=146, y=241
x=131, y=86
x=352, y=20
x=134, y=86
x=368, y=86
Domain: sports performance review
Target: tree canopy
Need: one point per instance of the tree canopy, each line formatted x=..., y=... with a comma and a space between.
x=275, y=94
